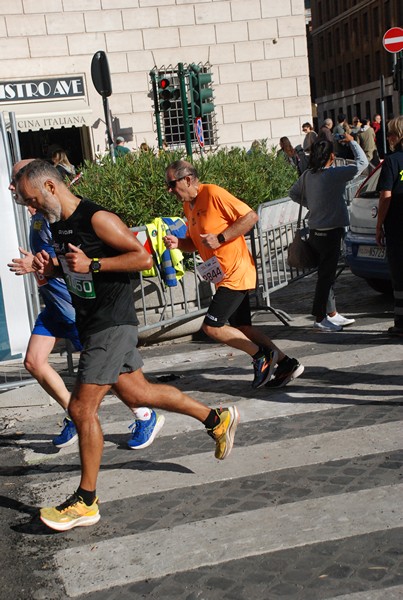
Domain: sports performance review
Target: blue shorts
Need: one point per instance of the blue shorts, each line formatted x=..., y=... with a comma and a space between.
x=46, y=325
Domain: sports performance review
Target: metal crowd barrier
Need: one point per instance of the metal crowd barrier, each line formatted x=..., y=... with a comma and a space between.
x=269, y=242
x=159, y=306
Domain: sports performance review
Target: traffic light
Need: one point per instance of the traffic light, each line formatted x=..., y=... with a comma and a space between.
x=167, y=93
x=200, y=91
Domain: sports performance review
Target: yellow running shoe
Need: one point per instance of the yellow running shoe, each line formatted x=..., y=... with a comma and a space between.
x=224, y=432
x=72, y=513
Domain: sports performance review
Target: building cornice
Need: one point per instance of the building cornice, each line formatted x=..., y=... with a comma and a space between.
x=342, y=17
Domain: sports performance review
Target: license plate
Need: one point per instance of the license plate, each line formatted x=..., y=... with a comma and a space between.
x=371, y=252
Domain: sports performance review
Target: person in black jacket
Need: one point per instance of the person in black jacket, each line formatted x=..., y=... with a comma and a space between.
x=390, y=216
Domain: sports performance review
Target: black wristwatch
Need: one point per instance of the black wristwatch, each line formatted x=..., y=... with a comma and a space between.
x=95, y=265
x=221, y=238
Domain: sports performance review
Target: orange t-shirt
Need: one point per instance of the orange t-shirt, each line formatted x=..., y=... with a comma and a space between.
x=214, y=210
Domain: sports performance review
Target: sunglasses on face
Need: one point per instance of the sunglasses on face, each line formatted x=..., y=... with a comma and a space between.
x=172, y=184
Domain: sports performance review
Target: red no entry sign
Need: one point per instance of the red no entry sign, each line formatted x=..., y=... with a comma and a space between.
x=393, y=40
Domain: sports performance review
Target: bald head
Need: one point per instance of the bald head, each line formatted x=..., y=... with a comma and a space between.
x=21, y=163
x=16, y=168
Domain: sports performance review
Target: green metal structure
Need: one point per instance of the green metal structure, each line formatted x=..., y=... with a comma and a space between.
x=182, y=95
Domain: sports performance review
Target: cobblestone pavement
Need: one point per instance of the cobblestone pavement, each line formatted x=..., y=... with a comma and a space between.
x=307, y=507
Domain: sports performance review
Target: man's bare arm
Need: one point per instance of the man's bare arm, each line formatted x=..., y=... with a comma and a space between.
x=241, y=226
x=111, y=230
x=238, y=228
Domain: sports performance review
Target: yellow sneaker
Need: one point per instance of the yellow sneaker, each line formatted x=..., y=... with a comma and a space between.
x=224, y=432
x=72, y=513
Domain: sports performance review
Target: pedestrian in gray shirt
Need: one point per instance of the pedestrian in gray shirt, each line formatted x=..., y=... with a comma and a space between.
x=324, y=194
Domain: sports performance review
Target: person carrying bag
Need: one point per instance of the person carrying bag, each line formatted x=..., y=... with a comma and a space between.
x=322, y=189
x=300, y=254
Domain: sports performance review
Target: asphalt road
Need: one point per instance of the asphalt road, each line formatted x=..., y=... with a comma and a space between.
x=307, y=507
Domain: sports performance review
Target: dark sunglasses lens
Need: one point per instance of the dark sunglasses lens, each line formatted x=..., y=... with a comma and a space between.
x=172, y=184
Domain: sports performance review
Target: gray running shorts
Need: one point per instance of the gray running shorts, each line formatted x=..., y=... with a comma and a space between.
x=107, y=354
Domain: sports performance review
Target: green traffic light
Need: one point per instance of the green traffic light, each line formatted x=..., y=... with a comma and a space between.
x=200, y=92
x=207, y=108
x=204, y=78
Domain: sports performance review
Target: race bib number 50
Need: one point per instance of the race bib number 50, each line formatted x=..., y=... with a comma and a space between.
x=211, y=270
x=79, y=284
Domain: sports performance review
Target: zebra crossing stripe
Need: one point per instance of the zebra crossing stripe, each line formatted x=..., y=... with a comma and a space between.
x=175, y=424
x=153, y=554
x=199, y=469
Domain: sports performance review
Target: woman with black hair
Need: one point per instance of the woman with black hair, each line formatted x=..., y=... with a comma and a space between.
x=322, y=189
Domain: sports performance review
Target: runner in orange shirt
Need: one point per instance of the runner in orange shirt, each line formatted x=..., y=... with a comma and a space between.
x=217, y=223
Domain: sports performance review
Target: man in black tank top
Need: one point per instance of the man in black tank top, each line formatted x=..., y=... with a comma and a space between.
x=96, y=253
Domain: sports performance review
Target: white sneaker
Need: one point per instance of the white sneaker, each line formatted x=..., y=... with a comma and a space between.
x=327, y=325
x=340, y=320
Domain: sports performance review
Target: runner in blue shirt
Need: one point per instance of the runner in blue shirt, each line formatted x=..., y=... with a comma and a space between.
x=57, y=321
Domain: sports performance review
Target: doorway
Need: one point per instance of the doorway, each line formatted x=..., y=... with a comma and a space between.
x=40, y=144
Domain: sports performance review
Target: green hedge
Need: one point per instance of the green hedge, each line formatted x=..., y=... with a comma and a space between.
x=134, y=187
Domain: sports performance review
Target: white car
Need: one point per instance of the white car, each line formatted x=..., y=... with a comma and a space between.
x=364, y=257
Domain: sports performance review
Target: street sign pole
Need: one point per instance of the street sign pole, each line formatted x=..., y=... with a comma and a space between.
x=153, y=77
x=101, y=78
x=185, y=111
x=393, y=42
x=383, y=120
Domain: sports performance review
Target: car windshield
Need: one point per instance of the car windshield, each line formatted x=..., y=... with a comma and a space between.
x=368, y=189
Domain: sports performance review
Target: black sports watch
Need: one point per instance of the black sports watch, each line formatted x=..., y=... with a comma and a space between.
x=221, y=238
x=95, y=265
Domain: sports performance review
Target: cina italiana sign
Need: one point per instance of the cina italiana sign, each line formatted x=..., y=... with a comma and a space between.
x=37, y=90
x=34, y=123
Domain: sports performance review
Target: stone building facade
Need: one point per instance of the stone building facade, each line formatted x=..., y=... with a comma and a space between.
x=349, y=61
x=256, y=48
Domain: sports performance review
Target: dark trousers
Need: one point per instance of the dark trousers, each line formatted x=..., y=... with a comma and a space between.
x=327, y=244
x=394, y=252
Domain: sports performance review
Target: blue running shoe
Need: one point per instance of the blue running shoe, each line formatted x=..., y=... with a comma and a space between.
x=144, y=432
x=67, y=436
x=264, y=367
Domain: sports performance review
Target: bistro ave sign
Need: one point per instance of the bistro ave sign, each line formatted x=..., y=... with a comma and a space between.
x=37, y=90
